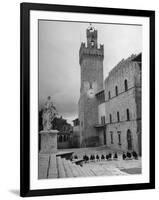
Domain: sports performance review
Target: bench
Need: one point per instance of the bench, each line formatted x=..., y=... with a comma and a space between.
x=78, y=161
x=66, y=155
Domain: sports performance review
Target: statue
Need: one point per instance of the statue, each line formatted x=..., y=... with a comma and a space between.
x=49, y=113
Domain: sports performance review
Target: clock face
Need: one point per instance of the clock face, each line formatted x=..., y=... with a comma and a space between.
x=90, y=93
x=92, y=43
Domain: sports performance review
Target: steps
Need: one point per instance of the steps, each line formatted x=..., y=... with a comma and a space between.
x=43, y=166
x=53, y=172
x=52, y=166
x=67, y=169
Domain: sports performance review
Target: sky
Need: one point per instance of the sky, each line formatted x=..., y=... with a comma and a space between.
x=59, y=69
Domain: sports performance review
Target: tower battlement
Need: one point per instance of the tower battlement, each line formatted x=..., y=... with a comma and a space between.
x=87, y=51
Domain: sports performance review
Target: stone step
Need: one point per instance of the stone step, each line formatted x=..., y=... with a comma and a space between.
x=79, y=170
x=73, y=168
x=43, y=166
x=53, y=172
x=60, y=168
x=67, y=168
x=89, y=170
x=114, y=171
x=104, y=170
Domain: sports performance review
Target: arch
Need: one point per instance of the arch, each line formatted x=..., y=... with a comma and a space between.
x=126, y=85
x=64, y=138
x=111, y=137
x=116, y=90
x=129, y=139
x=60, y=138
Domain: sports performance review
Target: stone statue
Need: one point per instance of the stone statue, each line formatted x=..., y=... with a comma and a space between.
x=49, y=113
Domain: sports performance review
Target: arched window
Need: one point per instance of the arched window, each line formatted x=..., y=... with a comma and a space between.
x=119, y=138
x=126, y=85
x=109, y=95
x=129, y=140
x=68, y=137
x=64, y=138
x=128, y=114
x=102, y=119
x=118, y=116
x=116, y=91
x=111, y=136
x=60, y=138
x=110, y=117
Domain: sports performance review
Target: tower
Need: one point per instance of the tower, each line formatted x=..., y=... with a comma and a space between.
x=91, y=62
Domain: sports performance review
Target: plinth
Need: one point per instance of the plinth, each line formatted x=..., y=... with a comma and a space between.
x=48, y=141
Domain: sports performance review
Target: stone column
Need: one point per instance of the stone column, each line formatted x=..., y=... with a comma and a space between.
x=48, y=141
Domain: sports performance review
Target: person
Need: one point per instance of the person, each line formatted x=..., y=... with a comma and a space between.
x=124, y=156
x=115, y=156
x=128, y=155
x=110, y=156
x=107, y=156
x=102, y=157
x=97, y=157
x=135, y=155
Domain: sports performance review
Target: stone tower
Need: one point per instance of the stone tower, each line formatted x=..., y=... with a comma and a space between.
x=91, y=62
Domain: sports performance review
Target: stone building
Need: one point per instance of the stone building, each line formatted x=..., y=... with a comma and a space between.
x=110, y=110
x=119, y=109
x=65, y=133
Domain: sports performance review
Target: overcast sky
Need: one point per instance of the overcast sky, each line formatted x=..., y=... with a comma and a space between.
x=59, y=69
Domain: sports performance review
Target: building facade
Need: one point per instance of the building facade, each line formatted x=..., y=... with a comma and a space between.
x=119, y=126
x=64, y=136
x=110, y=110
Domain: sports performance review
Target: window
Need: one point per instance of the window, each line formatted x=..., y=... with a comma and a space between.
x=103, y=120
x=128, y=114
x=116, y=91
x=119, y=138
x=118, y=116
x=109, y=95
x=64, y=138
x=126, y=85
x=111, y=135
x=60, y=138
x=110, y=117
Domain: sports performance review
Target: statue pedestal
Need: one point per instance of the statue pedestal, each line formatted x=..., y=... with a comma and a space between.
x=48, y=141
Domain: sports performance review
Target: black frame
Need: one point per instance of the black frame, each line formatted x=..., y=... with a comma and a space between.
x=25, y=9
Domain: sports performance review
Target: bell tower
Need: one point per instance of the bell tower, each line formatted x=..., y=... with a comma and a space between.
x=91, y=62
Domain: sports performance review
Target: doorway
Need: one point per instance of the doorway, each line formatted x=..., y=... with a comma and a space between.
x=105, y=139
x=129, y=139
